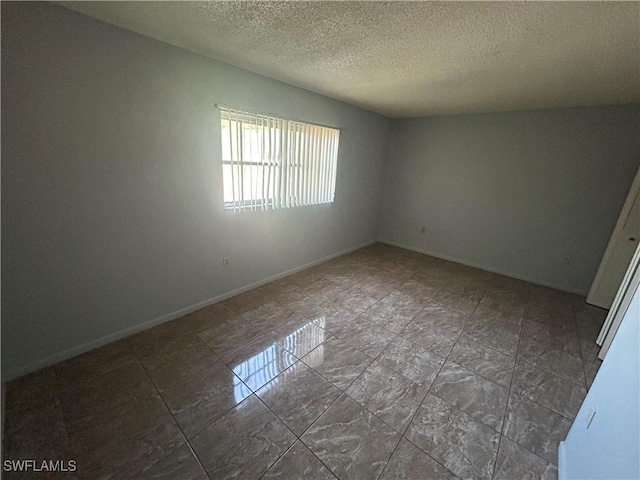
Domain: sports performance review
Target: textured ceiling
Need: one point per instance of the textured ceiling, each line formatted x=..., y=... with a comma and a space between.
x=407, y=59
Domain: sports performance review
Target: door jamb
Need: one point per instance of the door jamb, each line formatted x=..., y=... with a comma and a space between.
x=608, y=253
x=620, y=305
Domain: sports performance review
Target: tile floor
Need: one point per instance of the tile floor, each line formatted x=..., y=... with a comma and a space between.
x=382, y=363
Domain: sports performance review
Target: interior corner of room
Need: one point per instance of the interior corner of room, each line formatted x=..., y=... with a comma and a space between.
x=112, y=198
x=111, y=188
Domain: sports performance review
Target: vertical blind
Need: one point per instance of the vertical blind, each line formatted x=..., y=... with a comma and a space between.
x=271, y=162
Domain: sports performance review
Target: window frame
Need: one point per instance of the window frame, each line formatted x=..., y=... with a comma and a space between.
x=314, y=181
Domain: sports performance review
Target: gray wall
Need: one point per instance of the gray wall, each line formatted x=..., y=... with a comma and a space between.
x=112, y=183
x=514, y=192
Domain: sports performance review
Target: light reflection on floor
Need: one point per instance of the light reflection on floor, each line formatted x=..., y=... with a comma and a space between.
x=265, y=365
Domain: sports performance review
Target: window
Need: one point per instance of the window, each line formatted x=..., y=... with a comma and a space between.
x=271, y=162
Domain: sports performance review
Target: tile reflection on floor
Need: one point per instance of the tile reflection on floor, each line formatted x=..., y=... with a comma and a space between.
x=382, y=363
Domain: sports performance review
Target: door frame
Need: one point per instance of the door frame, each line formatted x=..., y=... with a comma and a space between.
x=608, y=253
x=620, y=304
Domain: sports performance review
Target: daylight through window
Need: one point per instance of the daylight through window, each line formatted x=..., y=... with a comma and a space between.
x=271, y=162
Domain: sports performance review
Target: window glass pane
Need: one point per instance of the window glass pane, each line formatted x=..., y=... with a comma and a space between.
x=227, y=184
x=226, y=142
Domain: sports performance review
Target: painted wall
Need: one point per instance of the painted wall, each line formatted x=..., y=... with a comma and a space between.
x=112, y=183
x=514, y=192
x=610, y=447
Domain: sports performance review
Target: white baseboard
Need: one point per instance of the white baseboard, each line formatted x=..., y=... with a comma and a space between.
x=85, y=347
x=564, y=288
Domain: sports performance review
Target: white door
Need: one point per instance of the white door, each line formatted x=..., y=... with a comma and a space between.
x=619, y=252
x=620, y=305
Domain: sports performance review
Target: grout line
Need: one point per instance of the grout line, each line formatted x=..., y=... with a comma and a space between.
x=373, y=359
x=64, y=418
x=344, y=392
x=527, y=398
x=299, y=438
x=60, y=392
x=534, y=399
x=515, y=363
x=186, y=439
x=254, y=393
x=395, y=335
x=402, y=435
x=385, y=258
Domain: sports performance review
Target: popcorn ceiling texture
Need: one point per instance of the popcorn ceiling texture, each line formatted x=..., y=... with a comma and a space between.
x=408, y=59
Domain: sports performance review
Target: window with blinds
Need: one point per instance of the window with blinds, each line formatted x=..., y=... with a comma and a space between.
x=271, y=162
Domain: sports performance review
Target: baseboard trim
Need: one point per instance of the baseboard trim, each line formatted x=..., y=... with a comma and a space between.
x=564, y=288
x=85, y=347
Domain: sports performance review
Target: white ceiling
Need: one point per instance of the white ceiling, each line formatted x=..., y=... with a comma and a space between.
x=407, y=59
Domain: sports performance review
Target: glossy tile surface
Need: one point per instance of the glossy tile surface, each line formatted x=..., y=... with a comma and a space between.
x=351, y=441
x=481, y=398
x=95, y=362
x=203, y=398
x=259, y=362
x=100, y=398
x=245, y=442
x=547, y=389
x=536, y=428
x=560, y=316
x=268, y=315
x=454, y=300
x=299, y=338
x=540, y=337
x=34, y=423
x=174, y=363
x=298, y=396
x=181, y=464
x=298, y=463
x=337, y=361
x=393, y=312
x=415, y=362
x=436, y=328
x=517, y=462
x=207, y=317
x=354, y=300
x=483, y=360
x=382, y=363
x=388, y=395
x=410, y=463
x=495, y=329
x=556, y=362
x=456, y=440
x=331, y=318
x=230, y=335
x=126, y=445
x=366, y=336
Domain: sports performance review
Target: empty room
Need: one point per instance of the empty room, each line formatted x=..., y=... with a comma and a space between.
x=319, y=240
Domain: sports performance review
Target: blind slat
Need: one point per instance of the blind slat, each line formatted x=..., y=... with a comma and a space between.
x=276, y=163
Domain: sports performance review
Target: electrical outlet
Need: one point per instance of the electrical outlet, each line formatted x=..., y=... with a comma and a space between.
x=423, y=230
x=226, y=262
